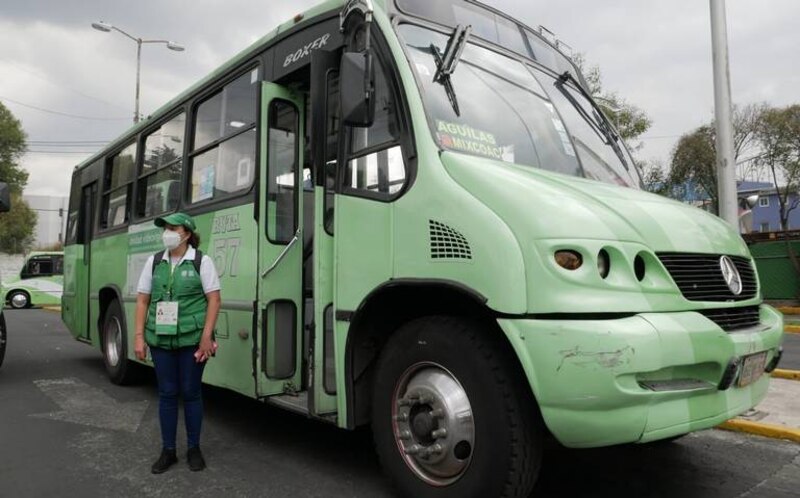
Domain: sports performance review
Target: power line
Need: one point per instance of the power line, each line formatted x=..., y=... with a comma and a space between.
x=62, y=86
x=59, y=113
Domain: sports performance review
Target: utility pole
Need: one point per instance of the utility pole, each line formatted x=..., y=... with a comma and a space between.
x=726, y=165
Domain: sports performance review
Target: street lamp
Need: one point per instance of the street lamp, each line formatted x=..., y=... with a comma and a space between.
x=106, y=28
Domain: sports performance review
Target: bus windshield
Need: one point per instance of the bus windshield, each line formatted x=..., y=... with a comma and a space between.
x=512, y=111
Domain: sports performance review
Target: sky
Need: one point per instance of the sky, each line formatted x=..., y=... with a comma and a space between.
x=72, y=87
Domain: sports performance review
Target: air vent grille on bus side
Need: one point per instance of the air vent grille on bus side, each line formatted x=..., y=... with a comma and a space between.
x=699, y=276
x=447, y=243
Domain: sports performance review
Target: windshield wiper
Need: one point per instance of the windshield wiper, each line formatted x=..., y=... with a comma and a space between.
x=598, y=122
x=446, y=63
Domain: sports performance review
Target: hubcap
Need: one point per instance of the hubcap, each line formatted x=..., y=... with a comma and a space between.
x=19, y=300
x=433, y=424
x=113, y=339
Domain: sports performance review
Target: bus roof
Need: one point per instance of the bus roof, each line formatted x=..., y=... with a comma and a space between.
x=254, y=48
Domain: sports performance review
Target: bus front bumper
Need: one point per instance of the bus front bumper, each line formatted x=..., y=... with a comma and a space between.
x=641, y=378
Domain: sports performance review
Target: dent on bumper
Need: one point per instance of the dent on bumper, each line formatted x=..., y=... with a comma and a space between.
x=586, y=374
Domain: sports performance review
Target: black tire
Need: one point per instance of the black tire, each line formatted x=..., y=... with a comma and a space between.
x=114, y=345
x=23, y=301
x=507, y=426
x=3, y=338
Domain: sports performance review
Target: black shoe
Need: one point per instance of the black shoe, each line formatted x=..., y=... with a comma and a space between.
x=195, y=458
x=167, y=459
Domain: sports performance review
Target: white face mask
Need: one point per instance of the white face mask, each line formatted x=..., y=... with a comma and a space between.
x=171, y=239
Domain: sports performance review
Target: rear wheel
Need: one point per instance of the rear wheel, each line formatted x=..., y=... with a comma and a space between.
x=2, y=338
x=19, y=299
x=451, y=416
x=114, y=340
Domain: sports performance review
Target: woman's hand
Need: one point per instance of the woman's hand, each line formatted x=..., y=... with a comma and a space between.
x=205, y=349
x=140, y=348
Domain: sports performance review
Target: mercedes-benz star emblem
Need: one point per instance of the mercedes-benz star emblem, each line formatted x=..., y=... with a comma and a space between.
x=731, y=275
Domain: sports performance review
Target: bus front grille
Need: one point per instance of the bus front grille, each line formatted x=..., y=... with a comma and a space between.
x=699, y=276
x=731, y=319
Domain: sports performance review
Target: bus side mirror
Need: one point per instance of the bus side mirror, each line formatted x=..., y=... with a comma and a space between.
x=357, y=89
x=751, y=201
x=5, y=198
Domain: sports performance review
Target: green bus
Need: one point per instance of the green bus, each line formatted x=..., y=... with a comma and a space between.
x=40, y=282
x=5, y=206
x=423, y=222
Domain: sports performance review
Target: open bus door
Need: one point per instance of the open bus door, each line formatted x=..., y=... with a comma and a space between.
x=280, y=253
x=75, y=300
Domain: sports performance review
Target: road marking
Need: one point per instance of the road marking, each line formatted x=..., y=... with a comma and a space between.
x=761, y=429
x=83, y=404
x=786, y=374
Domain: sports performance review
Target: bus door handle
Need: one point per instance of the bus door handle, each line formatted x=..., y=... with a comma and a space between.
x=282, y=254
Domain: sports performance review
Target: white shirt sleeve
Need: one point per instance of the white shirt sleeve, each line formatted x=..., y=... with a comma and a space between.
x=146, y=278
x=208, y=275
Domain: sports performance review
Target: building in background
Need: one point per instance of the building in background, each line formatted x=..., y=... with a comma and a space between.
x=52, y=219
x=766, y=212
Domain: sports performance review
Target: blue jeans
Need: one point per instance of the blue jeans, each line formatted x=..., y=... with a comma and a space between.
x=178, y=372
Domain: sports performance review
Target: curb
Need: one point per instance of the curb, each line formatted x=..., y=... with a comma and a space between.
x=786, y=374
x=791, y=329
x=759, y=429
x=789, y=310
x=56, y=309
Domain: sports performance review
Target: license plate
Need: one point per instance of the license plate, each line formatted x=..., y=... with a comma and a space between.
x=752, y=368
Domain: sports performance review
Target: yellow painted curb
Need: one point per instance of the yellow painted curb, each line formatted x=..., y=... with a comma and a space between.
x=57, y=309
x=792, y=329
x=789, y=310
x=766, y=430
x=786, y=374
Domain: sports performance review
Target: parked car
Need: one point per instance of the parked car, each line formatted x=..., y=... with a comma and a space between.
x=40, y=282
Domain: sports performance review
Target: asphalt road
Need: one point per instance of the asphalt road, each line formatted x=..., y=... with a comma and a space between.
x=66, y=431
x=791, y=352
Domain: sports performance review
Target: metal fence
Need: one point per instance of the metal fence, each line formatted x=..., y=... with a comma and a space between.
x=777, y=258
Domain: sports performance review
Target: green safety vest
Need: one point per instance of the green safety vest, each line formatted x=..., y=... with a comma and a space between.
x=187, y=290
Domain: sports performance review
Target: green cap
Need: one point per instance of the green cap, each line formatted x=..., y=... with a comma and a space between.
x=177, y=219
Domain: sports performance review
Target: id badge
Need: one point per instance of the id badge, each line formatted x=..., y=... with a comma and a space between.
x=167, y=318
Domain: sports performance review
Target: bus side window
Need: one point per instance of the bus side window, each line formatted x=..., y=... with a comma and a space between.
x=376, y=161
x=58, y=265
x=224, y=143
x=160, y=180
x=117, y=187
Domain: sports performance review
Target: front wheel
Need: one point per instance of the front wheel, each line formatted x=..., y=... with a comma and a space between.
x=451, y=415
x=3, y=339
x=19, y=300
x=114, y=338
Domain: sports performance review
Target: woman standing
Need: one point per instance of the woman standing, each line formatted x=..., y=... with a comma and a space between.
x=176, y=312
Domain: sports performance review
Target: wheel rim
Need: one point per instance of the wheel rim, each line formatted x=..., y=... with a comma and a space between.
x=19, y=300
x=113, y=340
x=433, y=423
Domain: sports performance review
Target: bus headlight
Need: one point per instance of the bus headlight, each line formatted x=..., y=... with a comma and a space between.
x=569, y=260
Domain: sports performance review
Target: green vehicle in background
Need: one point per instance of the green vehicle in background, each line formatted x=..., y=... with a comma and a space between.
x=40, y=282
x=423, y=223
x=5, y=206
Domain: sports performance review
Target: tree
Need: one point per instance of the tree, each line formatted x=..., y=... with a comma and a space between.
x=780, y=154
x=654, y=179
x=694, y=158
x=16, y=226
x=12, y=147
x=693, y=164
x=631, y=121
